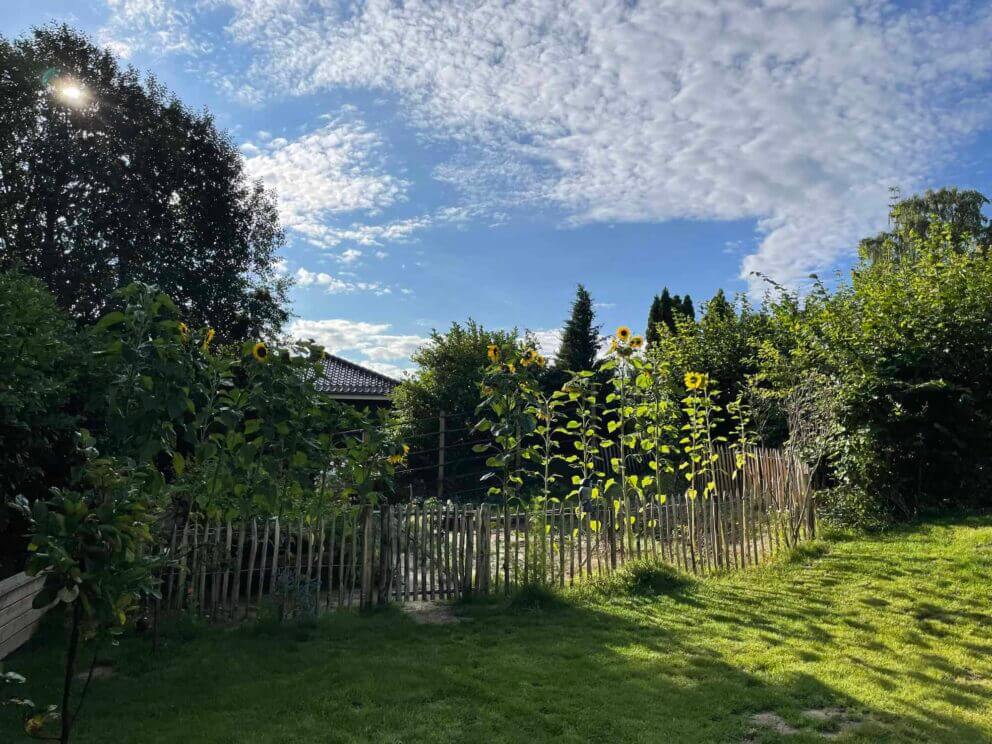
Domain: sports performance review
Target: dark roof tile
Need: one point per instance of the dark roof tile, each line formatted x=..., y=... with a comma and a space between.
x=341, y=377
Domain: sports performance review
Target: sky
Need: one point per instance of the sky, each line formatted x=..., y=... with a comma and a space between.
x=435, y=161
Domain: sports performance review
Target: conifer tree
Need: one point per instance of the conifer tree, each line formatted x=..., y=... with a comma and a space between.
x=580, y=338
x=654, y=318
x=687, y=309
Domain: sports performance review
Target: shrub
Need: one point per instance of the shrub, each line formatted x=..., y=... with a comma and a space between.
x=36, y=380
x=535, y=596
x=806, y=552
x=638, y=578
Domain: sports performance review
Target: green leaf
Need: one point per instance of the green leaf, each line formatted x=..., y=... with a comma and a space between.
x=178, y=463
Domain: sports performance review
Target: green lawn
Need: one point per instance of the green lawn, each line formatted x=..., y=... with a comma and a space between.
x=894, y=629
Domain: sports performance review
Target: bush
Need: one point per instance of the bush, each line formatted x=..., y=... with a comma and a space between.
x=639, y=578
x=36, y=381
x=535, y=597
x=852, y=507
x=806, y=552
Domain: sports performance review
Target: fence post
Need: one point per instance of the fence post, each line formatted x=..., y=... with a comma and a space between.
x=440, y=456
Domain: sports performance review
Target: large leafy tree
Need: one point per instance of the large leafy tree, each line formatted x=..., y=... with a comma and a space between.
x=580, y=337
x=958, y=211
x=106, y=179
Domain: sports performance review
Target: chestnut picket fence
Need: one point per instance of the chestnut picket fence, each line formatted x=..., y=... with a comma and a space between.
x=358, y=556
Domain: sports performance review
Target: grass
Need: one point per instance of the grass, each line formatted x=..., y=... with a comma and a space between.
x=893, y=628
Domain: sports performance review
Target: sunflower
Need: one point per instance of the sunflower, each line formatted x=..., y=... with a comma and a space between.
x=530, y=357
x=512, y=368
x=613, y=346
x=695, y=380
x=260, y=352
x=493, y=353
x=184, y=331
x=208, y=338
x=541, y=361
x=637, y=342
x=623, y=333
x=34, y=724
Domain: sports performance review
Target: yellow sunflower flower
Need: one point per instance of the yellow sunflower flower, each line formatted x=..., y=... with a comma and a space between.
x=260, y=352
x=493, y=353
x=541, y=361
x=636, y=342
x=34, y=724
x=623, y=333
x=208, y=338
x=184, y=331
x=695, y=380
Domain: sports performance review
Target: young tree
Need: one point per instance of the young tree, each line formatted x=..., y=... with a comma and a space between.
x=106, y=179
x=580, y=339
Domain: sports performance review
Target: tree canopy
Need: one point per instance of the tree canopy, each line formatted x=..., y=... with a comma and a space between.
x=958, y=211
x=106, y=179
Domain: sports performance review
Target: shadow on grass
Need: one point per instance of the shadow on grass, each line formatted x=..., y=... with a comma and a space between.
x=632, y=667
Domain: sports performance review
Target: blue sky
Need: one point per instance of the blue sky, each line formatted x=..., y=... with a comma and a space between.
x=436, y=161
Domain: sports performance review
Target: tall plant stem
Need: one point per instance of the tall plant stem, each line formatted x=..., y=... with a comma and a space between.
x=70, y=669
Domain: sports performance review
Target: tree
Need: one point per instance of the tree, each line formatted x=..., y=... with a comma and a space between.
x=687, y=309
x=655, y=317
x=958, y=211
x=451, y=367
x=106, y=179
x=717, y=308
x=905, y=346
x=580, y=338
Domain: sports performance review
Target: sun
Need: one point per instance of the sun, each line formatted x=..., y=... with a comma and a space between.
x=72, y=93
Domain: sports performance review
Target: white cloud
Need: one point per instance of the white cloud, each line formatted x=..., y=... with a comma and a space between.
x=333, y=170
x=339, y=285
x=796, y=113
x=548, y=341
x=349, y=256
x=370, y=342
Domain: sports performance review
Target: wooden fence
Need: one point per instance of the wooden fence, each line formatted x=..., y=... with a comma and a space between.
x=359, y=556
x=18, y=618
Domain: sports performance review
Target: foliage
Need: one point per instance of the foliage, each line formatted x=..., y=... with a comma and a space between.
x=580, y=336
x=37, y=380
x=904, y=349
x=666, y=310
x=451, y=365
x=959, y=211
x=123, y=183
x=641, y=577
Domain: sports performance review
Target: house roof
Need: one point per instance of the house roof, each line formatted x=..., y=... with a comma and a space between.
x=343, y=379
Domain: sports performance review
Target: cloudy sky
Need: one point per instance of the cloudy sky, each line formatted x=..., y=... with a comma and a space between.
x=440, y=160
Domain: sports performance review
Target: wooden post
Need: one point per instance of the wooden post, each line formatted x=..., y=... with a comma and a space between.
x=365, y=598
x=440, y=456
